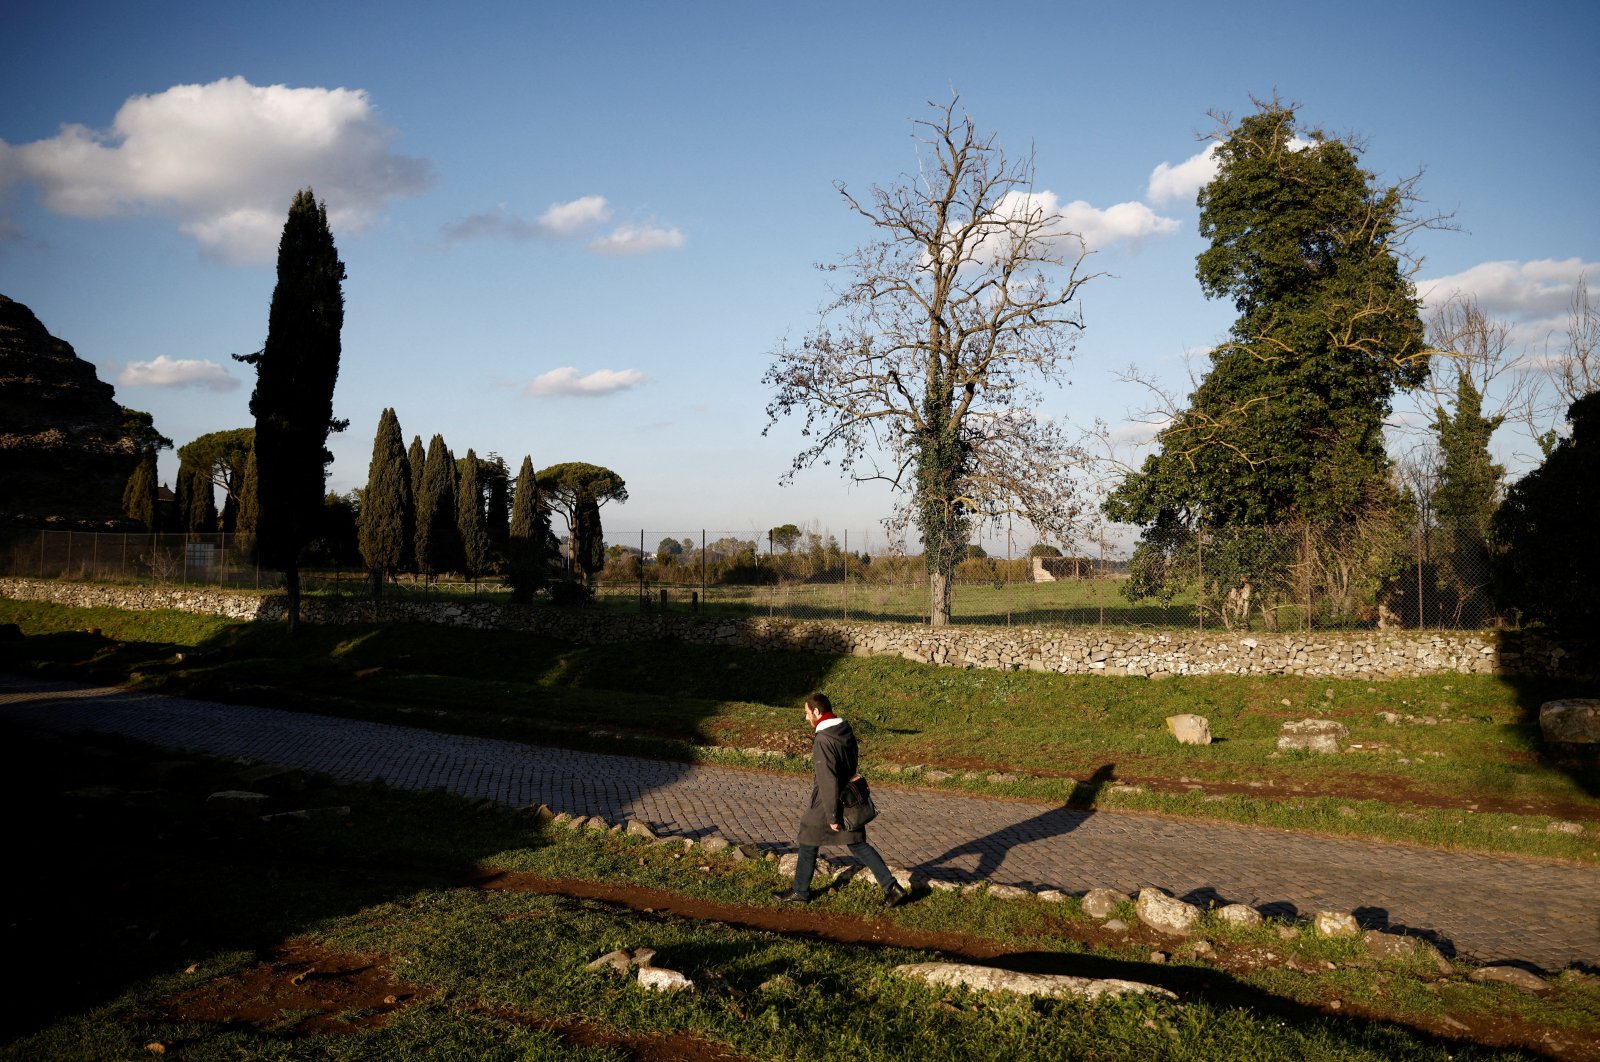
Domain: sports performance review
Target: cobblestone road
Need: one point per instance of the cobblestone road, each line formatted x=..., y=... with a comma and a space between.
x=1486, y=908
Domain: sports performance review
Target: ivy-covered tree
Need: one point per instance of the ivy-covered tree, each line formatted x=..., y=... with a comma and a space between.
x=1469, y=479
x=1464, y=501
x=1287, y=425
x=1544, y=530
x=470, y=520
x=926, y=369
x=438, y=537
x=292, y=402
x=388, y=512
x=527, y=549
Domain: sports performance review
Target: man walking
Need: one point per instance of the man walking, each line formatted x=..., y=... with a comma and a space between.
x=833, y=758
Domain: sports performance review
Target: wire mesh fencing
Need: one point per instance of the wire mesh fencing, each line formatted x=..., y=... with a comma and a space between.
x=1287, y=578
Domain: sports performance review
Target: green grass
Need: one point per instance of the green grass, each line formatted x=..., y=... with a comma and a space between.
x=141, y=894
x=1477, y=778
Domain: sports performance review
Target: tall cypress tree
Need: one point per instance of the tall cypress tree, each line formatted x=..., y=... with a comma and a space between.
x=244, y=539
x=496, y=486
x=196, y=503
x=388, y=511
x=470, y=519
x=417, y=459
x=525, y=560
x=293, y=398
x=438, y=538
x=139, y=496
x=588, y=539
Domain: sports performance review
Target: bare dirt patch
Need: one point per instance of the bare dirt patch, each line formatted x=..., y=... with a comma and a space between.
x=303, y=988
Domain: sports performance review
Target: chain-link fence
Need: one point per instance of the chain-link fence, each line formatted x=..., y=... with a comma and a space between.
x=1258, y=578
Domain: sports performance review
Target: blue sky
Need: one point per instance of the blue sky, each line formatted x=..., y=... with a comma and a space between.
x=577, y=231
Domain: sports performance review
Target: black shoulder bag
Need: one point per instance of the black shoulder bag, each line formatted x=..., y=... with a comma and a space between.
x=858, y=808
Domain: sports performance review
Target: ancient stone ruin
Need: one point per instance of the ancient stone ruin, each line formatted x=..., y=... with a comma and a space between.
x=65, y=455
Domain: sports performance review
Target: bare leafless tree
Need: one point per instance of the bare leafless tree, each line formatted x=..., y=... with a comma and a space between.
x=1467, y=341
x=926, y=368
x=1574, y=371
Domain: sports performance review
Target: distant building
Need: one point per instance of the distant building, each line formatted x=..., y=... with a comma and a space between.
x=1051, y=569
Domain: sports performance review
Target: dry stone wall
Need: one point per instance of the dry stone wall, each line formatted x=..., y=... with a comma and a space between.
x=1156, y=654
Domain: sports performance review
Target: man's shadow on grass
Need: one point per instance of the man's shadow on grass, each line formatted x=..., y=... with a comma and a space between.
x=992, y=849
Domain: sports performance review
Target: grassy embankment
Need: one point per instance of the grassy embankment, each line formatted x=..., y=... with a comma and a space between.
x=147, y=923
x=1462, y=767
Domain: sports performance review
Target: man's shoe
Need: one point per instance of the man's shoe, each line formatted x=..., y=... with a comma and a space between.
x=796, y=899
x=894, y=895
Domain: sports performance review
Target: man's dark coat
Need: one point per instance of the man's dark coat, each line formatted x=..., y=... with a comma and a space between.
x=833, y=760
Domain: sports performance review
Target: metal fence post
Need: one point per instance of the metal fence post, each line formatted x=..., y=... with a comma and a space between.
x=702, y=564
x=846, y=583
x=1422, y=618
x=1200, y=594
x=1305, y=539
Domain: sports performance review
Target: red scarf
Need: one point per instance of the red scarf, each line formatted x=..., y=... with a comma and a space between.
x=823, y=718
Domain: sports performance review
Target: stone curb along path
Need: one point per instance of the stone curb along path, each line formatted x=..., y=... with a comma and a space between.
x=1484, y=908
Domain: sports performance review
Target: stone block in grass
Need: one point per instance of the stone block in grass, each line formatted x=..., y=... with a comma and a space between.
x=989, y=979
x=1313, y=735
x=1166, y=914
x=1575, y=721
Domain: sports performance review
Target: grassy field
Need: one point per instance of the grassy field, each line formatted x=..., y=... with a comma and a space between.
x=421, y=926
x=1461, y=766
x=1074, y=602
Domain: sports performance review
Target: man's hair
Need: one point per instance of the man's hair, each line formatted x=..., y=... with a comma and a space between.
x=818, y=702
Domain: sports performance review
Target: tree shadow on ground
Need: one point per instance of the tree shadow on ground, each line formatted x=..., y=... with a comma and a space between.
x=991, y=849
x=122, y=871
x=1579, y=762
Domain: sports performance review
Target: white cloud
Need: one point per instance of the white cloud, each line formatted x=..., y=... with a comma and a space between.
x=225, y=159
x=566, y=381
x=177, y=372
x=561, y=220
x=627, y=240
x=564, y=219
x=1519, y=290
x=1080, y=223
x=1183, y=181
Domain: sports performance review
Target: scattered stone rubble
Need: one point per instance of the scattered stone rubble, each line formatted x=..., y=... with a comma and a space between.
x=1154, y=908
